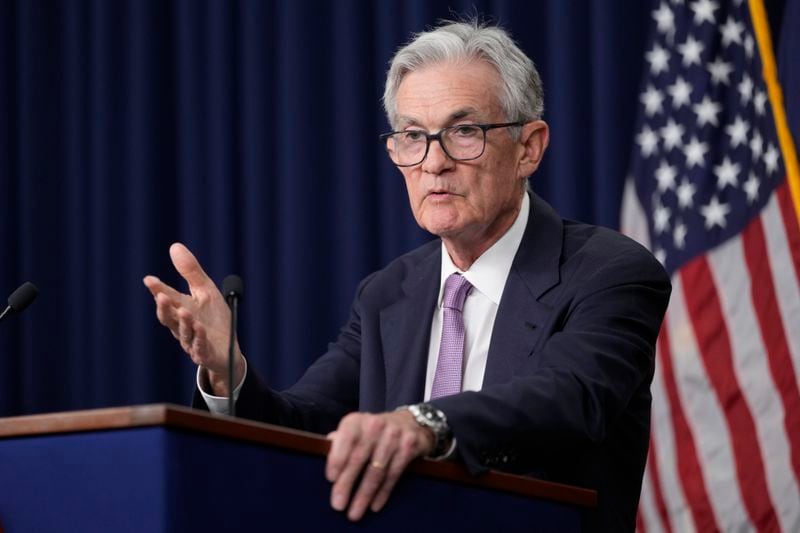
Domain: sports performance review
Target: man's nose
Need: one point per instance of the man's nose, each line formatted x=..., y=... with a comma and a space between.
x=437, y=160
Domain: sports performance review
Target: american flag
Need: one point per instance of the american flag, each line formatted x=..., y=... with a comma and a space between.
x=710, y=195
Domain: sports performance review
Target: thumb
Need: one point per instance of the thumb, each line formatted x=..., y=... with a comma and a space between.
x=188, y=267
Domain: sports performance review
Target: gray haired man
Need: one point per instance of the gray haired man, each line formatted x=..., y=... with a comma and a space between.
x=516, y=340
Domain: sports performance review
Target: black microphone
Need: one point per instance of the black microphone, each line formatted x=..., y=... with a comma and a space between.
x=232, y=289
x=20, y=299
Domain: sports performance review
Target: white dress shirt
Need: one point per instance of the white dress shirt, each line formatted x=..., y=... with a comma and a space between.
x=488, y=275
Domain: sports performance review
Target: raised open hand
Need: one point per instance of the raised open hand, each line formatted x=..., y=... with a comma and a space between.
x=199, y=320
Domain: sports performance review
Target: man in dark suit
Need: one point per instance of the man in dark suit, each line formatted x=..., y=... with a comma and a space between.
x=517, y=341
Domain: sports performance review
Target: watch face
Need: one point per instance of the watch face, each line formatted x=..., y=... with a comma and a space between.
x=429, y=416
x=434, y=419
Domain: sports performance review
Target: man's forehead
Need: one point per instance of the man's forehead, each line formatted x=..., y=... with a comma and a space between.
x=463, y=113
x=444, y=93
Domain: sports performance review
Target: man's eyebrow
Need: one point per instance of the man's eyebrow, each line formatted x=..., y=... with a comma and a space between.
x=462, y=114
x=407, y=121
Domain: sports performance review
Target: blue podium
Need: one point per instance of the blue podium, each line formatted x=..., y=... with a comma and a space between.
x=165, y=468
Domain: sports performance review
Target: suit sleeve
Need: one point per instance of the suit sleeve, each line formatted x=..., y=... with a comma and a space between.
x=592, y=371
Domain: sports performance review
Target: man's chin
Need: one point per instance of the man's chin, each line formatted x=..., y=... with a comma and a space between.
x=445, y=230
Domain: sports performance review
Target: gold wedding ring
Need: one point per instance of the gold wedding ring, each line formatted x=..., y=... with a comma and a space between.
x=377, y=465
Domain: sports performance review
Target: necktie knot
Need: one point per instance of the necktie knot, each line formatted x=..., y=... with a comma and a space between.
x=456, y=288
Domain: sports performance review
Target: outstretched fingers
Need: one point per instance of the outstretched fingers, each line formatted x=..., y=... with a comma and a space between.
x=189, y=268
x=185, y=330
x=156, y=287
x=167, y=312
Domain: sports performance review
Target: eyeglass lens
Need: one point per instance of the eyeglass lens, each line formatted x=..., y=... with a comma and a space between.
x=459, y=142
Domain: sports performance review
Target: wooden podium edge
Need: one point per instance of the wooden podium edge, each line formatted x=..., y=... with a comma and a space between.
x=184, y=418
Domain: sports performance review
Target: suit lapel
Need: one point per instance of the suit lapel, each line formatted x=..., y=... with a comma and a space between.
x=405, y=333
x=520, y=315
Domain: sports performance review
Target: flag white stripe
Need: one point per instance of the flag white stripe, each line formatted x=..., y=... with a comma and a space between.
x=785, y=278
x=648, y=507
x=705, y=417
x=663, y=435
x=729, y=270
x=633, y=219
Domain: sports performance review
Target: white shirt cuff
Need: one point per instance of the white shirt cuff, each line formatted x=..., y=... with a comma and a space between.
x=218, y=405
x=452, y=449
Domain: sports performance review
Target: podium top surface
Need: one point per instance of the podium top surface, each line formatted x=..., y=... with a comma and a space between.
x=186, y=419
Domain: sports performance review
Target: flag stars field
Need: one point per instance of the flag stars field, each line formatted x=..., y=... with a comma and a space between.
x=647, y=139
x=760, y=102
x=679, y=235
x=707, y=111
x=751, y=188
x=672, y=134
x=685, y=194
x=732, y=32
x=652, y=100
x=720, y=71
x=771, y=159
x=746, y=89
x=690, y=52
x=704, y=11
x=665, y=175
x=665, y=19
x=715, y=213
x=661, y=218
x=738, y=131
x=727, y=173
x=695, y=153
x=680, y=92
x=658, y=58
x=756, y=145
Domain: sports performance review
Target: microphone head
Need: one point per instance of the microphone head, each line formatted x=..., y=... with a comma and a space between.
x=23, y=297
x=232, y=287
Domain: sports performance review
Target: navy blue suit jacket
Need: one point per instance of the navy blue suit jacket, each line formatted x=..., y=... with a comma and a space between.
x=566, y=393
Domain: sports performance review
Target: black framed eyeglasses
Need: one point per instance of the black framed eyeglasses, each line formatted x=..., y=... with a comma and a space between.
x=462, y=142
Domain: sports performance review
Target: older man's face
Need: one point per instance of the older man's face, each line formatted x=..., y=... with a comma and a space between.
x=461, y=201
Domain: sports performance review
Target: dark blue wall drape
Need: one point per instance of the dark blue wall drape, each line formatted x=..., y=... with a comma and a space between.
x=247, y=130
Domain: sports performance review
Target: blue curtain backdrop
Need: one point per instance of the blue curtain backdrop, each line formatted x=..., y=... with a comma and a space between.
x=248, y=131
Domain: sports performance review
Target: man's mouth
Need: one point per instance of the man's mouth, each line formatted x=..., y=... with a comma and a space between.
x=440, y=193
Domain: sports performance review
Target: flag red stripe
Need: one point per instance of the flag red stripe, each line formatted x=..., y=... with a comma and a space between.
x=762, y=291
x=790, y=222
x=713, y=340
x=655, y=482
x=640, y=527
x=689, y=471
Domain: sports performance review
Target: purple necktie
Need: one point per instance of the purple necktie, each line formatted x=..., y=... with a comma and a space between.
x=447, y=379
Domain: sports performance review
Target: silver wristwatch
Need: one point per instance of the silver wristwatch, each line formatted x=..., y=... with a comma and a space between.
x=434, y=419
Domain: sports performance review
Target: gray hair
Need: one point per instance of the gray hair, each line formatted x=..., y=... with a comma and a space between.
x=521, y=96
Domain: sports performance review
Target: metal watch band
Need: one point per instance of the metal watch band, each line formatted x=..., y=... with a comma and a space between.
x=430, y=417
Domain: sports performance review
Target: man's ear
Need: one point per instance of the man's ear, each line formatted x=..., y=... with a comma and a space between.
x=534, y=139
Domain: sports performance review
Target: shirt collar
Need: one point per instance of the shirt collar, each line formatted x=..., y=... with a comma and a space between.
x=488, y=274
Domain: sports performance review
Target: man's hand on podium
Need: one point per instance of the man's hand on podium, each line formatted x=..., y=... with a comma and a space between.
x=378, y=448
x=199, y=320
